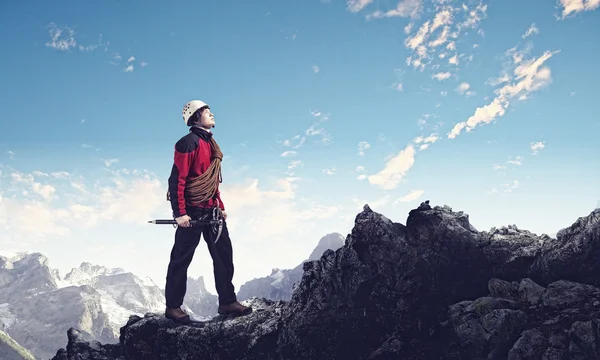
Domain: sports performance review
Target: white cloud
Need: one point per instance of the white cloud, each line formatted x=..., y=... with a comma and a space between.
x=362, y=147
x=45, y=191
x=360, y=168
x=288, y=153
x=330, y=171
x=517, y=161
x=439, y=32
x=109, y=162
x=357, y=5
x=395, y=169
x=268, y=213
x=294, y=164
x=425, y=142
x=411, y=196
x=129, y=68
x=319, y=115
x=453, y=60
x=575, y=6
x=405, y=8
x=536, y=147
x=463, y=89
x=375, y=204
x=511, y=186
x=529, y=76
x=131, y=59
x=61, y=38
x=295, y=141
x=57, y=212
x=442, y=76
x=314, y=130
x=532, y=30
x=316, y=69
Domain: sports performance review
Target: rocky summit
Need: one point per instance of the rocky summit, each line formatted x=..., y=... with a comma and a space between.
x=435, y=288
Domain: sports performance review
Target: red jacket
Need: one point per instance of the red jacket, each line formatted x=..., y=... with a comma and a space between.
x=192, y=158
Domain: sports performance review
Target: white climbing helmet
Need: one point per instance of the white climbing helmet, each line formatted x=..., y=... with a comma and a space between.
x=190, y=108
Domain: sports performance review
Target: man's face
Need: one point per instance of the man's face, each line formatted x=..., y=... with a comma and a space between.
x=207, y=119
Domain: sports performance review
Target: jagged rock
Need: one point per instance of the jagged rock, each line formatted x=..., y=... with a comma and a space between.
x=559, y=323
x=433, y=289
x=573, y=255
x=85, y=349
x=530, y=292
x=503, y=289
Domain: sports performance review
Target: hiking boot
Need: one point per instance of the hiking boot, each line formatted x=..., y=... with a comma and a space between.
x=234, y=309
x=177, y=315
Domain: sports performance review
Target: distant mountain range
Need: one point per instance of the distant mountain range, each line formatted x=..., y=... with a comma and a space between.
x=280, y=284
x=37, y=305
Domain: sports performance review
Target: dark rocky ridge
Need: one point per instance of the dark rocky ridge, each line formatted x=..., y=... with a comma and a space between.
x=433, y=289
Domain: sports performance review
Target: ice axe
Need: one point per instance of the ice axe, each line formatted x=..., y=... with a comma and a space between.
x=216, y=223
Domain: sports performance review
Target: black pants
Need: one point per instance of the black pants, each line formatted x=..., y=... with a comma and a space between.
x=186, y=241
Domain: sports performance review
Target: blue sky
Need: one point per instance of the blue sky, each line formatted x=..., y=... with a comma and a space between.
x=320, y=107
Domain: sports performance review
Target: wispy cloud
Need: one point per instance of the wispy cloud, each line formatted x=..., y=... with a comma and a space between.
x=424, y=142
x=411, y=196
x=405, y=8
x=109, y=162
x=330, y=171
x=319, y=115
x=357, y=5
x=288, y=153
x=87, y=146
x=463, y=89
x=517, y=161
x=434, y=42
x=576, y=6
x=531, y=31
x=44, y=197
x=536, y=147
x=63, y=38
x=362, y=147
x=316, y=69
x=528, y=76
x=316, y=130
x=441, y=76
x=395, y=169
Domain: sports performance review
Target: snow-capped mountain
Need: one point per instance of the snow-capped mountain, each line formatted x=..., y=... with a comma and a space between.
x=37, y=305
x=279, y=285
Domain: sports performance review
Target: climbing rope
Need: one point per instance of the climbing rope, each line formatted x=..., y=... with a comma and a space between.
x=205, y=186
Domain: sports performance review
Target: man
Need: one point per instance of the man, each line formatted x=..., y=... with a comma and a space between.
x=194, y=194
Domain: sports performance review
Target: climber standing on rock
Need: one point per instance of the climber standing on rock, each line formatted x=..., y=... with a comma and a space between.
x=194, y=195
